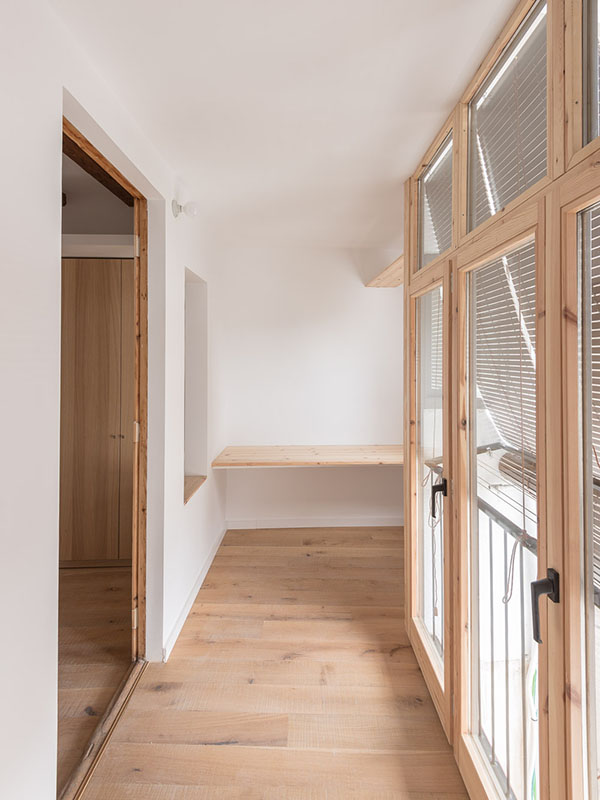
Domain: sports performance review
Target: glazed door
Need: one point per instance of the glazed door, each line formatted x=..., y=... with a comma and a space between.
x=501, y=389
x=428, y=531
x=508, y=618
x=580, y=222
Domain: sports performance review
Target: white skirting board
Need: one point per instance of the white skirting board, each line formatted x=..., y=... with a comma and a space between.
x=176, y=630
x=323, y=522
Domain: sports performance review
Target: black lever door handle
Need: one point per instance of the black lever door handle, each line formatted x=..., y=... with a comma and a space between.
x=550, y=586
x=442, y=487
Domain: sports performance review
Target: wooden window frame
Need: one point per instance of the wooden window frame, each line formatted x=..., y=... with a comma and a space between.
x=449, y=128
x=554, y=100
x=546, y=210
x=577, y=150
x=458, y=124
x=442, y=694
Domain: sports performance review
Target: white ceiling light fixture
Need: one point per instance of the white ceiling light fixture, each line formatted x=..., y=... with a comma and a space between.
x=190, y=209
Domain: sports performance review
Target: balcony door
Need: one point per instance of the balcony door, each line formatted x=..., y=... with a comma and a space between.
x=428, y=532
x=579, y=201
x=508, y=646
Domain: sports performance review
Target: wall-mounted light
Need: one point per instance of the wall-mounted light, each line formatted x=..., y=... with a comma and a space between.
x=190, y=209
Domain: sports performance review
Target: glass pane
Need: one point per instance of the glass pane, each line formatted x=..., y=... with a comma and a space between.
x=589, y=405
x=429, y=448
x=591, y=74
x=435, y=205
x=503, y=516
x=507, y=122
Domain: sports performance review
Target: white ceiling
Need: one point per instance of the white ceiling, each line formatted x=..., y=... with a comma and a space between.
x=291, y=121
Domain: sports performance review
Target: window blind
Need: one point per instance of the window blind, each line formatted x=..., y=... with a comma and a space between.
x=504, y=306
x=507, y=122
x=435, y=205
x=437, y=307
x=591, y=287
x=592, y=69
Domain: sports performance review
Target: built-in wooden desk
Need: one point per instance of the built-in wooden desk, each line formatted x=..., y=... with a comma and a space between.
x=311, y=456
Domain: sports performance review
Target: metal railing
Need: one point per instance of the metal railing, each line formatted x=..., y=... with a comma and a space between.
x=504, y=719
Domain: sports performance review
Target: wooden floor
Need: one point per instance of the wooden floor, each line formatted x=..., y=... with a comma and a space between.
x=292, y=679
x=94, y=653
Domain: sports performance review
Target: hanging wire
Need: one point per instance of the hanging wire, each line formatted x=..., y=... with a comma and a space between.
x=433, y=523
x=508, y=589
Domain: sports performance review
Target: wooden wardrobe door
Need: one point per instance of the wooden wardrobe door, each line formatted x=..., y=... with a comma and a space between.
x=90, y=409
x=127, y=407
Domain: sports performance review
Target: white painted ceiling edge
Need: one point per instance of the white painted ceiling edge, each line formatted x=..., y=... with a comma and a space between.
x=290, y=122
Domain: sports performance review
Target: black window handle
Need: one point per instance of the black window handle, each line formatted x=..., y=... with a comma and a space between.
x=442, y=487
x=550, y=586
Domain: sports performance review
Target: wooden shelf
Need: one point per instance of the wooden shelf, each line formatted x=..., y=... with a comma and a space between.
x=191, y=484
x=310, y=456
x=390, y=277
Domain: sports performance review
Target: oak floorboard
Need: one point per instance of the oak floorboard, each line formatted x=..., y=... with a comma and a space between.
x=289, y=681
x=126, y=791
x=373, y=538
x=305, y=671
x=94, y=654
x=307, y=570
x=335, y=558
x=182, y=764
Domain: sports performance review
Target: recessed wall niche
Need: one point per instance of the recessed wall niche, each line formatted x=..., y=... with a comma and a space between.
x=196, y=373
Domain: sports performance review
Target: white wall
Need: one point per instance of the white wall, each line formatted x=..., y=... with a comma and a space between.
x=314, y=497
x=30, y=243
x=319, y=380
x=196, y=374
x=311, y=357
x=91, y=207
x=192, y=532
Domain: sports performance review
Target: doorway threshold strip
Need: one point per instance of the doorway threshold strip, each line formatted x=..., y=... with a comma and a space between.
x=81, y=776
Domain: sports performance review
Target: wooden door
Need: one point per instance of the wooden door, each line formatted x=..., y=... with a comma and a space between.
x=127, y=442
x=96, y=442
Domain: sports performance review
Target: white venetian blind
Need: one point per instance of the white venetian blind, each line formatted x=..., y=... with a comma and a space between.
x=592, y=285
x=435, y=205
x=507, y=122
x=504, y=305
x=437, y=308
x=592, y=69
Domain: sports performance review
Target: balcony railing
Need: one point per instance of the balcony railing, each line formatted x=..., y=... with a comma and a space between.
x=504, y=654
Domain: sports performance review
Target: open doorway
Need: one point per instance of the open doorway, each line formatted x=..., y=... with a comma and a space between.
x=102, y=454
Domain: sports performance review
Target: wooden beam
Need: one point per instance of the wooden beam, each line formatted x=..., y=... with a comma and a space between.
x=393, y=275
x=311, y=456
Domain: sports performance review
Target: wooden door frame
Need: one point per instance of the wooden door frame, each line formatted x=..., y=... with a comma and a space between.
x=96, y=164
x=441, y=692
x=76, y=141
